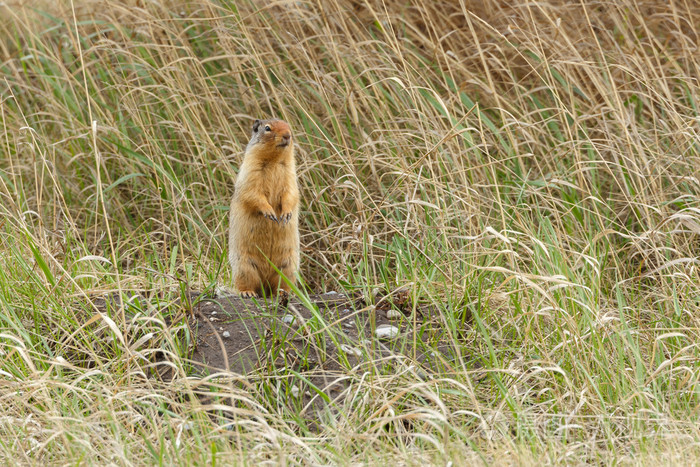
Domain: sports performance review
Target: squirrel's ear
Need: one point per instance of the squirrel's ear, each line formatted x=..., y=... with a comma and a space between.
x=256, y=125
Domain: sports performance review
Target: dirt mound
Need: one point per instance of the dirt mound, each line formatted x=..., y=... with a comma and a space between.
x=301, y=351
x=323, y=340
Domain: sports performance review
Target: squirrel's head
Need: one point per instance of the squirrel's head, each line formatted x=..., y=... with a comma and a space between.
x=271, y=135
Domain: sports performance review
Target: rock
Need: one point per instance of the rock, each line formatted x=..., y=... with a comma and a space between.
x=291, y=320
x=387, y=332
x=393, y=314
x=419, y=372
x=226, y=334
x=222, y=292
x=350, y=350
x=295, y=391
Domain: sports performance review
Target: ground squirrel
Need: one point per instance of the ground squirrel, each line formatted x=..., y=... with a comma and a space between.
x=265, y=212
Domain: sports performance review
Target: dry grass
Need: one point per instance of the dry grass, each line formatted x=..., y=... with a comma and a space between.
x=536, y=163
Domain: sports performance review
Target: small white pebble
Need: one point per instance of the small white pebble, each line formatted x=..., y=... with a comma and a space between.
x=386, y=331
x=226, y=334
x=213, y=312
x=393, y=314
x=295, y=391
x=331, y=292
x=350, y=350
x=291, y=320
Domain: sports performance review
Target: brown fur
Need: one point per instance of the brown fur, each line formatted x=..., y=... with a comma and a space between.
x=265, y=212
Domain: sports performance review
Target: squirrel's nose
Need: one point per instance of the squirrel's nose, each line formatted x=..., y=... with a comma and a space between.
x=286, y=138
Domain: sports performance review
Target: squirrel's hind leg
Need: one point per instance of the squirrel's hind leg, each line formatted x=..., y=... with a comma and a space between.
x=288, y=270
x=247, y=280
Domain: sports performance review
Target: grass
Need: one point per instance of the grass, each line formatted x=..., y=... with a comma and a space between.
x=533, y=165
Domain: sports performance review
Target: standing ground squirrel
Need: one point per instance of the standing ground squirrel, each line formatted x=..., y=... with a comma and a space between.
x=265, y=212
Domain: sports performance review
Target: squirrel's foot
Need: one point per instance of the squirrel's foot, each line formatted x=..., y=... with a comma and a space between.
x=248, y=294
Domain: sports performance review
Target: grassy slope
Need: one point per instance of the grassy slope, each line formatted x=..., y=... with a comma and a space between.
x=537, y=165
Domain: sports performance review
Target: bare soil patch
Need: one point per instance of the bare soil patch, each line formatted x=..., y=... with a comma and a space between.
x=310, y=350
x=327, y=340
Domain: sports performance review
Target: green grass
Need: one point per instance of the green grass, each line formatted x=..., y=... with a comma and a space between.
x=536, y=167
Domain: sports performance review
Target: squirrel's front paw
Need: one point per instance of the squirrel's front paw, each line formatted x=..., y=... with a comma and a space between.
x=270, y=215
x=285, y=217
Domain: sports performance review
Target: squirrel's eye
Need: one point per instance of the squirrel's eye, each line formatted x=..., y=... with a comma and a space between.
x=267, y=127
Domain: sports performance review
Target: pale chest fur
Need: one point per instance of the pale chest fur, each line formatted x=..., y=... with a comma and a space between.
x=271, y=180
